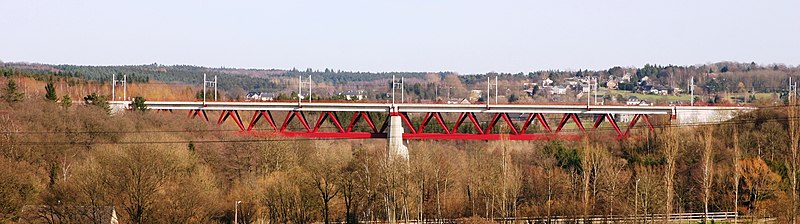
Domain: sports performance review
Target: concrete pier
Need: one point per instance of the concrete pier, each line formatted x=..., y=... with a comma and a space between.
x=396, y=147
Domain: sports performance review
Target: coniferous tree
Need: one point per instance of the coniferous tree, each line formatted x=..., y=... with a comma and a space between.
x=97, y=100
x=66, y=101
x=138, y=104
x=51, y=92
x=12, y=94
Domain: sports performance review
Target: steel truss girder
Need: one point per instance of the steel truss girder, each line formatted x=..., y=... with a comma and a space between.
x=515, y=132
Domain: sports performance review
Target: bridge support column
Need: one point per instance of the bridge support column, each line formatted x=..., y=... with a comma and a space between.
x=396, y=147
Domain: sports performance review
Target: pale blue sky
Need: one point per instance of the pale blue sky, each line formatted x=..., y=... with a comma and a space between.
x=464, y=36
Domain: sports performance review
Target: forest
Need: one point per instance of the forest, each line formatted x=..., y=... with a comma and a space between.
x=711, y=80
x=57, y=156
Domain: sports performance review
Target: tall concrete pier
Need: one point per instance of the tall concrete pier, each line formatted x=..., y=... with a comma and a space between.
x=396, y=147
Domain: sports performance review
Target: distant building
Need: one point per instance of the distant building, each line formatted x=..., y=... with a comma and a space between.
x=253, y=96
x=547, y=82
x=644, y=80
x=258, y=96
x=661, y=90
x=353, y=95
x=634, y=101
x=626, y=78
x=462, y=101
x=266, y=97
x=612, y=84
x=555, y=90
x=646, y=89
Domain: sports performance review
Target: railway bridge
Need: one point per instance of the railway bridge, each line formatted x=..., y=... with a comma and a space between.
x=348, y=120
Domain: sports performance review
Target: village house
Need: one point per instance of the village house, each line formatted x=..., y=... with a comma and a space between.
x=258, y=96
x=626, y=78
x=635, y=101
x=353, y=95
x=547, y=82
x=612, y=84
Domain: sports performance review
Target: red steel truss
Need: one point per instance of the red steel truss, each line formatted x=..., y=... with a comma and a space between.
x=432, y=125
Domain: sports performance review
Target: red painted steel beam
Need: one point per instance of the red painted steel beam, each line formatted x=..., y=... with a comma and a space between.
x=459, y=120
x=324, y=116
x=426, y=136
x=290, y=116
x=578, y=122
x=630, y=126
x=646, y=119
x=494, y=121
x=567, y=117
x=610, y=120
x=231, y=113
x=267, y=115
x=472, y=119
x=198, y=112
x=428, y=118
x=599, y=120
x=385, y=124
x=489, y=137
x=540, y=118
x=362, y=115
x=332, y=135
x=406, y=120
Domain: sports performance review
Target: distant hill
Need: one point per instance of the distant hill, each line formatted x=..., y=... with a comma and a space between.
x=712, y=80
x=267, y=80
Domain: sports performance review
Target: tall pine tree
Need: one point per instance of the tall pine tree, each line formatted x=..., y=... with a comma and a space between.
x=51, y=91
x=12, y=94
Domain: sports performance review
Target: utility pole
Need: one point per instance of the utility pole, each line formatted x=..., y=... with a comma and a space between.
x=402, y=90
x=395, y=83
x=436, y=93
x=595, y=90
x=300, y=88
x=124, y=83
x=691, y=90
x=206, y=83
x=488, y=90
x=588, y=98
x=113, y=84
x=495, y=90
x=792, y=90
x=204, y=89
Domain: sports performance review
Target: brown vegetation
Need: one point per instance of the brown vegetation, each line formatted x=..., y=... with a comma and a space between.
x=163, y=168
